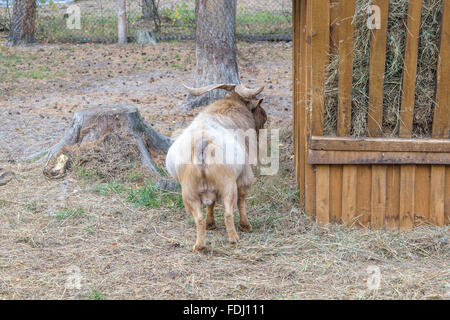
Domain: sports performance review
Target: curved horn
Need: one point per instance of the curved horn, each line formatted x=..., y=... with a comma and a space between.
x=203, y=90
x=247, y=93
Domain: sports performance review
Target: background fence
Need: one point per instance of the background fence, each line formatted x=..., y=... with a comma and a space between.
x=255, y=19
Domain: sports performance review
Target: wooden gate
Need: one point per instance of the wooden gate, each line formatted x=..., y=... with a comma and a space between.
x=395, y=182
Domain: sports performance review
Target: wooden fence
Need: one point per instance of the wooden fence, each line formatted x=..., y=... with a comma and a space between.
x=376, y=182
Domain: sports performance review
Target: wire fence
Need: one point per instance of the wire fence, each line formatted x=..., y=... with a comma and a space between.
x=96, y=20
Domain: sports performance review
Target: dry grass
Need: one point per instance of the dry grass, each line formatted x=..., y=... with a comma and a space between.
x=133, y=249
x=429, y=37
x=115, y=154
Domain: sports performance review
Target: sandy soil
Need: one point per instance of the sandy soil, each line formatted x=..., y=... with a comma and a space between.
x=35, y=113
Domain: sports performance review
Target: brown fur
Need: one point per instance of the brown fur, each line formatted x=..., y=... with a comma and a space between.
x=208, y=183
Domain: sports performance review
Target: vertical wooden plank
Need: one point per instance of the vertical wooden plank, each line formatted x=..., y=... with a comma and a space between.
x=392, y=197
x=410, y=69
x=375, y=113
x=363, y=201
x=437, y=215
x=417, y=173
x=347, y=11
x=335, y=170
x=295, y=80
x=349, y=185
x=422, y=193
x=407, y=180
x=299, y=98
x=447, y=195
x=320, y=37
x=441, y=121
x=378, y=205
x=310, y=176
x=323, y=194
x=336, y=193
x=334, y=25
x=302, y=112
x=376, y=71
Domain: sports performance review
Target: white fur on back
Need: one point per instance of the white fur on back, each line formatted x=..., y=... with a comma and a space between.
x=211, y=128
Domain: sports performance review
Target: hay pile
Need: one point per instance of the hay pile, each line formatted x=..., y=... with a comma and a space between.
x=111, y=157
x=428, y=53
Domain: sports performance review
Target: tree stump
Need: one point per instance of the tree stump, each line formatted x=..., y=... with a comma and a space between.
x=106, y=135
x=144, y=37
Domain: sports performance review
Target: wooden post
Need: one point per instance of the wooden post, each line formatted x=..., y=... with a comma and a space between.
x=345, y=67
x=441, y=121
x=122, y=21
x=410, y=70
x=310, y=175
x=349, y=191
x=392, y=197
x=407, y=180
x=320, y=48
x=376, y=72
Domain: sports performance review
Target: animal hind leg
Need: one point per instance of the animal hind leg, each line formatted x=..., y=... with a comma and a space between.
x=244, y=224
x=210, y=222
x=229, y=202
x=193, y=206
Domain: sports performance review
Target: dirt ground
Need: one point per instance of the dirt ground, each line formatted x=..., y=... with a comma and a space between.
x=120, y=246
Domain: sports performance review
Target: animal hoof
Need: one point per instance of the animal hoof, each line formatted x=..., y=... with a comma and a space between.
x=200, y=249
x=245, y=227
x=234, y=240
x=211, y=226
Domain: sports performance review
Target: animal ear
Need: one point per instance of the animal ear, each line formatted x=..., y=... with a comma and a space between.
x=260, y=117
x=255, y=104
x=259, y=102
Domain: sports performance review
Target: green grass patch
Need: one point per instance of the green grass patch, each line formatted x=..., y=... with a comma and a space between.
x=95, y=294
x=134, y=175
x=148, y=195
x=14, y=66
x=112, y=187
x=32, y=206
x=176, y=66
x=66, y=213
x=38, y=74
x=151, y=196
x=86, y=174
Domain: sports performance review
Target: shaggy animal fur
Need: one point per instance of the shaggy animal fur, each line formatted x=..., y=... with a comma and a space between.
x=196, y=161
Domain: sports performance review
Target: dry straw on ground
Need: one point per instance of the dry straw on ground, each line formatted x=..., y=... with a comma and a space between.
x=428, y=54
x=114, y=155
x=124, y=250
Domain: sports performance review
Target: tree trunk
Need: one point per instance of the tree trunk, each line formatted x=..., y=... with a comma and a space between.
x=150, y=12
x=148, y=9
x=107, y=136
x=215, y=48
x=23, y=23
x=122, y=21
